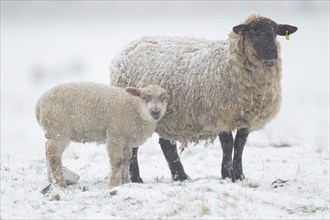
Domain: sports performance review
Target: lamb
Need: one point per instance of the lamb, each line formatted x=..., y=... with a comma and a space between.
x=92, y=112
x=215, y=88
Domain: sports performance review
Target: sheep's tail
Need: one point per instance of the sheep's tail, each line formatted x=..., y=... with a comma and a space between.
x=114, y=69
x=37, y=112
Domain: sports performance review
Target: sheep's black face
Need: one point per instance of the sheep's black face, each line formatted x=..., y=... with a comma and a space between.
x=261, y=34
x=263, y=38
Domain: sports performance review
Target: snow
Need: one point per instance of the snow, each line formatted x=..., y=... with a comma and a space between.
x=286, y=165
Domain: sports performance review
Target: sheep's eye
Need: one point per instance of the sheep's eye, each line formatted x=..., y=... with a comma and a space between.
x=146, y=98
x=162, y=98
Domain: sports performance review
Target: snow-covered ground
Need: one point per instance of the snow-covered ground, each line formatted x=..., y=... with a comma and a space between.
x=286, y=164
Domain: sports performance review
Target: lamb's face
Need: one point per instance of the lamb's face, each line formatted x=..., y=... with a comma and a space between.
x=153, y=101
x=260, y=35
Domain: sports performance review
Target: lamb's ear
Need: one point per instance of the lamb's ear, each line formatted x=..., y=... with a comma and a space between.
x=133, y=91
x=239, y=28
x=283, y=29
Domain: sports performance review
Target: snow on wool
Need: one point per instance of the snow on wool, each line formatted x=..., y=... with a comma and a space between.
x=215, y=87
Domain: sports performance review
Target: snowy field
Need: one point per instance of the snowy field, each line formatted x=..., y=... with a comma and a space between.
x=286, y=165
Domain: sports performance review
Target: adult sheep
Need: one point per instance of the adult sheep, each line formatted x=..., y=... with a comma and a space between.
x=215, y=88
x=93, y=112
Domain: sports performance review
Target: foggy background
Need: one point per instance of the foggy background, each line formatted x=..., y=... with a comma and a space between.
x=44, y=43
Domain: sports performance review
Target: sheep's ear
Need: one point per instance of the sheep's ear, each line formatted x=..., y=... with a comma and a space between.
x=285, y=29
x=239, y=28
x=133, y=91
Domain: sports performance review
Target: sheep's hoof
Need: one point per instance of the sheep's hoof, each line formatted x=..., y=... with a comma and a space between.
x=227, y=171
x=136, y=179
x=177, y=171
x=180, y=176
x=234, y=177
x=239, y=176
x=238, y=172
x=233, y=174
x=230, y=177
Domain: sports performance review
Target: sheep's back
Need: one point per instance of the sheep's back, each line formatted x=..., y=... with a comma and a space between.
x=188, y=69
x=155, y=59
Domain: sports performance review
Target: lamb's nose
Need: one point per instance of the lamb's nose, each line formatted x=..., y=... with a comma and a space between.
x=155, y=114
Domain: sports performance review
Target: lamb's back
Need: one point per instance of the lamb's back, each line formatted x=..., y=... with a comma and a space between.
x=81, y=110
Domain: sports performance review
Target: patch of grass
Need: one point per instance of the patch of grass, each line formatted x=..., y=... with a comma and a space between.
x=205, y=210
x=158, y=179
x=176, y=210
x=305, y=209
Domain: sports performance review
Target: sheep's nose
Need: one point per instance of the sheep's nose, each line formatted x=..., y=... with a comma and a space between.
x=155, y=114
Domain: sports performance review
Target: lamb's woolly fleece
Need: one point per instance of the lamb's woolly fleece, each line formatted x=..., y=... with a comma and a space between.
x=214, y=86
x=91, y=112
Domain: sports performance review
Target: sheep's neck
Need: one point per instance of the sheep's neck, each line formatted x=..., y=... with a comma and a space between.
x=244, y=72
x=243, y=86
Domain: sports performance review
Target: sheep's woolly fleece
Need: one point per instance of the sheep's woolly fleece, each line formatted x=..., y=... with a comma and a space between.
x=210, y=84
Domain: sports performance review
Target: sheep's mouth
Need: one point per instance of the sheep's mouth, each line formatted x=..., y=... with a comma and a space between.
x=267, y=54
x=269, y=63
x=155, y=114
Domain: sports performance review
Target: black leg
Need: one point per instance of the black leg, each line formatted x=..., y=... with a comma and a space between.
x=173, y=160
x=240, y=141
x=227, y=144
x=134, y=167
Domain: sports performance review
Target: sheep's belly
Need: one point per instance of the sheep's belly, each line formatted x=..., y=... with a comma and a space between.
x=89, y=136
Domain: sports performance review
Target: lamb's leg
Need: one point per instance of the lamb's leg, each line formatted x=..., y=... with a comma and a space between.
x=116, y=155
x=54, y=151
x=49, y=174
x=134, y=167
x=227, y=144
x=173, y=160
x=125, y=165
x=240, y=141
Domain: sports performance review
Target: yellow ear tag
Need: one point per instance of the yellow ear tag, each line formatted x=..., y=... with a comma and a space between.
x=287, y=35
